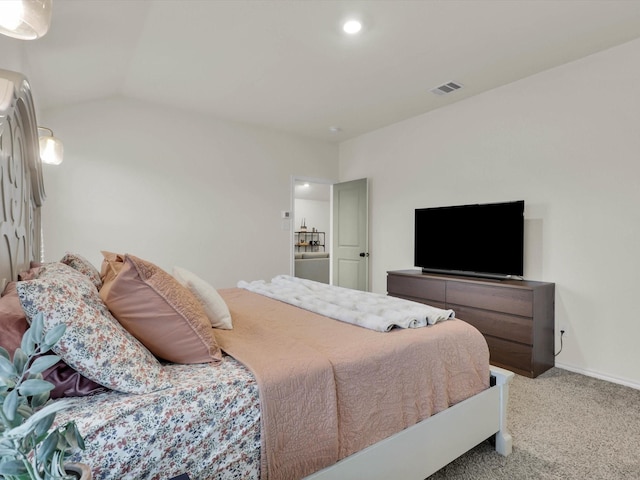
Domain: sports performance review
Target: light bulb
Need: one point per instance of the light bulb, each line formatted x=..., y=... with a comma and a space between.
x=352, y=27
x=51, y=150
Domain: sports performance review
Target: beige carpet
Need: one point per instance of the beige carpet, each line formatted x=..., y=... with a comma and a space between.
x=564, y=426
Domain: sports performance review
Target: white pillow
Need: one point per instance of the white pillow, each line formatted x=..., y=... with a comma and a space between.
x=214, y=306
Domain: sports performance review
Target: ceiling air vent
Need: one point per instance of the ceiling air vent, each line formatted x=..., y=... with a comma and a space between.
x=446, y=88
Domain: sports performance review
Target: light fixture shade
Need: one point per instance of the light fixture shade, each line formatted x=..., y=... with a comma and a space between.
x=51, y=150
x=25, y=19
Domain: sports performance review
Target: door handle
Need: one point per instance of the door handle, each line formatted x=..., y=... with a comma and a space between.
x=363, y=254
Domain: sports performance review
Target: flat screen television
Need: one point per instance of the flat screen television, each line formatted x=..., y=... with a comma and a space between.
x=485, y=240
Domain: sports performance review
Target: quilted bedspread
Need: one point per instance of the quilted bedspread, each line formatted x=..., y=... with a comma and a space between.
x=329, y=389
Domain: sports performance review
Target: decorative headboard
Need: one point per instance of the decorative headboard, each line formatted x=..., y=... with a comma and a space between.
x=21, y=182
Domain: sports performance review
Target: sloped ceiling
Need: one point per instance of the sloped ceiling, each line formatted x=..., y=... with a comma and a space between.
x=287, y=65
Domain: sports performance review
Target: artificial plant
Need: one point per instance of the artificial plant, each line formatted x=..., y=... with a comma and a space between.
x=29, y=448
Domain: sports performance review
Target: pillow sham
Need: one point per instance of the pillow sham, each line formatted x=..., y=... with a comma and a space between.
x=213, y=304
x=158, y=311
x=67, y=382
x=94, y=344
x=82, y=265
x=29, y=274
x=13, y=323
x=111, y=265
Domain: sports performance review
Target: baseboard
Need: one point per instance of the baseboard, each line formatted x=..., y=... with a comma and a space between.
x=601, y=376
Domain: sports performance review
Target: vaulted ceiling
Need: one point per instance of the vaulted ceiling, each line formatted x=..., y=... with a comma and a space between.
x=286, y=64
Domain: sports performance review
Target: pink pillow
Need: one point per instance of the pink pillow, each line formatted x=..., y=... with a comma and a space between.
x=162, y=314
x=13, y=321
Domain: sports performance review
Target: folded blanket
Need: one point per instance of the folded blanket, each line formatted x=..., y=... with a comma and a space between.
x=369, y=310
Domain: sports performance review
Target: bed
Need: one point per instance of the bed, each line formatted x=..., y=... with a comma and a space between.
x=279, y=395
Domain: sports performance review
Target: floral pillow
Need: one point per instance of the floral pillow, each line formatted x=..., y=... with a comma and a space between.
x=82, y=265
x=13, y=323
x=94, y=343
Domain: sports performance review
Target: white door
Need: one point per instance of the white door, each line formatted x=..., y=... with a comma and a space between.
x=350, y=252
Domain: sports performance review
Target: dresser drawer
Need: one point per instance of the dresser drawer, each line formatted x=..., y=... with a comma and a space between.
x=514, y=356
x=431, y=303
x=501, y=325
x=514, y=301
x=424, y=289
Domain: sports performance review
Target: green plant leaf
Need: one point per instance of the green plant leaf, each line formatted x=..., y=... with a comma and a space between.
x=28, y=343
x=76, y=435
x=13, y=467
x=10, y=405
x=4, y=353
x=52, y=336
x=44, y=425
x=39, y=400
x=24, y=410
x=55, y=468
x=7, y=451
x=34, y=387
x=29, y=424
x=48, y=446
x=20, y=360
x=7, y=368
x=6, y=383
x=40, y=364
x=73, y=436
x=37, y=326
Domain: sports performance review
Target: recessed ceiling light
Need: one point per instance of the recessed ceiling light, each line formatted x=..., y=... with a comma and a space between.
x=335, y=129
x=352, y=27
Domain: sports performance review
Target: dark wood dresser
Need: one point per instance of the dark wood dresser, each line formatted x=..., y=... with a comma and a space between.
x=516, y=317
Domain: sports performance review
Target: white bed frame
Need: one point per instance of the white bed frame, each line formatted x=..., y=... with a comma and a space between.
x=414, y=453
x=424, y=448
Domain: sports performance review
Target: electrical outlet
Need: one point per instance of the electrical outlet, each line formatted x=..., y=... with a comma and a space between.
x=563, y=328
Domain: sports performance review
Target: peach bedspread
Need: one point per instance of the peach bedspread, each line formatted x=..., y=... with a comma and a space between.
x=329, y=389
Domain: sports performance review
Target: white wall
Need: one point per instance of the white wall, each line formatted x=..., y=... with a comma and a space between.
x=12, y=56
x=315, y=212
x=175, y=188
x=567, y=141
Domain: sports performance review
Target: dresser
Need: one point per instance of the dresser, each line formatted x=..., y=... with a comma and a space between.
x=516, y=317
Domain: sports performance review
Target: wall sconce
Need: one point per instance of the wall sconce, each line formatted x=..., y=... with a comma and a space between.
x=51, y=148
x=25, y=19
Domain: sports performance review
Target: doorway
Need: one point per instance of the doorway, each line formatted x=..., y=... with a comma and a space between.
x=311, y=229
x=330, y=220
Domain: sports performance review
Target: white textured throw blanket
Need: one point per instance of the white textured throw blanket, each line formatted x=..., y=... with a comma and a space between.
x=365, y=309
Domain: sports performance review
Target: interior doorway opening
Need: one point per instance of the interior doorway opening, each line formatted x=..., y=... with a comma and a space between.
x=311, y=229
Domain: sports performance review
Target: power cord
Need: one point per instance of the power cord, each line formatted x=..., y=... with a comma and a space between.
x=561, y=334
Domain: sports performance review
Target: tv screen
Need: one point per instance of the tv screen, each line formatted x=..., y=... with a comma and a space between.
x=483, y=240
